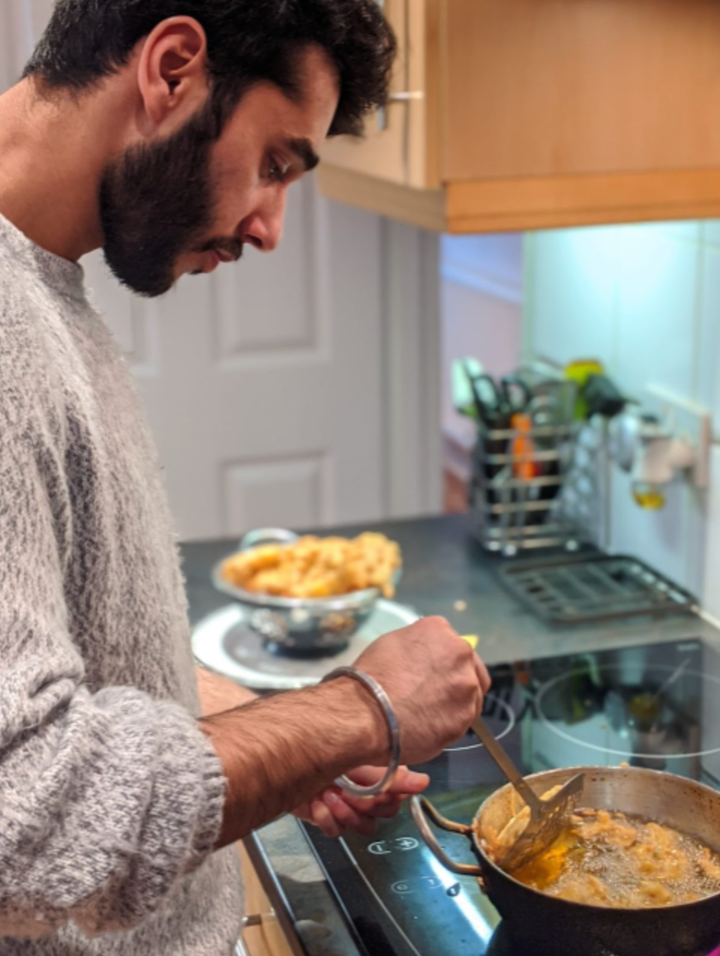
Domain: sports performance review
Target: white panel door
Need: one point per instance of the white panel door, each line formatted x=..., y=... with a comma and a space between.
x=281, y=390
x=264, y=381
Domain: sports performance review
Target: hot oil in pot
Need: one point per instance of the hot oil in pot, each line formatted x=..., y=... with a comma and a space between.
x=604, y=858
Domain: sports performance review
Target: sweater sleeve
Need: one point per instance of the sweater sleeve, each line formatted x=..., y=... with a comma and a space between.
x=107, y=800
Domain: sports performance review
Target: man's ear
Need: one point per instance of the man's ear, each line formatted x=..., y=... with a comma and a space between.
x=172, y=74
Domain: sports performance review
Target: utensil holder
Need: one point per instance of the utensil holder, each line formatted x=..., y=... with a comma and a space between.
x=537, y=487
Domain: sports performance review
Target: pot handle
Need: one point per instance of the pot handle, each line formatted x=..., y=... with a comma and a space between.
x=420, y=808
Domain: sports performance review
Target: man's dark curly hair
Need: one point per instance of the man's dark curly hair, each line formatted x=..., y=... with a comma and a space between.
x=248, y=41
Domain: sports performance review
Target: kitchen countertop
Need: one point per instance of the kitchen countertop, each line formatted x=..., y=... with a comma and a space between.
x=444, y=572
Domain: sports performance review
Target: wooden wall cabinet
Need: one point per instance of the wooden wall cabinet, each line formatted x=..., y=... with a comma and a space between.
x=527, y=114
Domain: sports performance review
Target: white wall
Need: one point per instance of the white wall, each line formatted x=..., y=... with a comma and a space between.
x=481, y=308
x=645, y=300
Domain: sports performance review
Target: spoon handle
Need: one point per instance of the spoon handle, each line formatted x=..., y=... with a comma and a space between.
x=496, y=751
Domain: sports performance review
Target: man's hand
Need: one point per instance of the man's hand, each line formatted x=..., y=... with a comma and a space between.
x=333, y=811
x=281, y=751
x=435, y=682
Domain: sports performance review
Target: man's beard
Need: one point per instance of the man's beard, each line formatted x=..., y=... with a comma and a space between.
x=156, y=203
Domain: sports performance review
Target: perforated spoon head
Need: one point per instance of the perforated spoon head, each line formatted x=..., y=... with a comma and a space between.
x=545, y=824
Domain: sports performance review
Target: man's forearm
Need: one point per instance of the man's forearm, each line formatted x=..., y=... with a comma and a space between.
x=280, y=751
x=219, y=693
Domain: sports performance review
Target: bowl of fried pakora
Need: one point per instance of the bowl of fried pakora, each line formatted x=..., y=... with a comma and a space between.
x=309, y=594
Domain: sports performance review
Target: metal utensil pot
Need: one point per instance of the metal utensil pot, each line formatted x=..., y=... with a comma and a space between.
x=544, y=924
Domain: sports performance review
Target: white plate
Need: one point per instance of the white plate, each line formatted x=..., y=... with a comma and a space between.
x=223, y=642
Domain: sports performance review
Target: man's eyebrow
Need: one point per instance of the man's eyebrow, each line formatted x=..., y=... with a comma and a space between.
x=303, y=150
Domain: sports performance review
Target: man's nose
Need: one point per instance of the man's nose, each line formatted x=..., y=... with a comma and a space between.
x=264, y=228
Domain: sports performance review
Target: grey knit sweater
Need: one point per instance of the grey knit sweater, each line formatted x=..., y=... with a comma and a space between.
x=110, y=796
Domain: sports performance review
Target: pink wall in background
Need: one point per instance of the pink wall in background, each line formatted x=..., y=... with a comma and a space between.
x=481, y=309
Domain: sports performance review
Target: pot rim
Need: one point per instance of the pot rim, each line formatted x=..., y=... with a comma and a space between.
x=571, y=771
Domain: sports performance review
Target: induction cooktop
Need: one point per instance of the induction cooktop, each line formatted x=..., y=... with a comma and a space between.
x=654, y=706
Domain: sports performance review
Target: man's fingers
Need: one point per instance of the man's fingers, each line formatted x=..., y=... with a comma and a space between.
x=335, y=811
x=388, y=810
x=367, y=805
x=406, y=781
x=375, y=806
x=483, y=675
x=346, y=816
x=303, y=812
x=324, y=819
x=366, y=776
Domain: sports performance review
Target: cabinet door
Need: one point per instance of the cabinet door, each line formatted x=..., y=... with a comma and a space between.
x=265, y=938
x=561, y=87
x=394, y=145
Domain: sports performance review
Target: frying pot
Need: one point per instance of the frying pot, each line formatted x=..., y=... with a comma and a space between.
x=547, y=924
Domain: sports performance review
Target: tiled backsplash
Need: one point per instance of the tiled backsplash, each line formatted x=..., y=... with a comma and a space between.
x=645, y=300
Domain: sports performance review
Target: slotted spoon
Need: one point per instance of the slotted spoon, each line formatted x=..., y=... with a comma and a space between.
x=547, y=817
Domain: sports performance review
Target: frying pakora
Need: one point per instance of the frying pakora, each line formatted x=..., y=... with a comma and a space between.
x=613, y=859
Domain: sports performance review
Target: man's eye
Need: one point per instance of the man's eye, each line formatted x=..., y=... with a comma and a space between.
x=276, y=172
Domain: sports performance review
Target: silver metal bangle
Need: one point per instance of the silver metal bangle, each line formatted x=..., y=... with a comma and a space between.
x=393, y=729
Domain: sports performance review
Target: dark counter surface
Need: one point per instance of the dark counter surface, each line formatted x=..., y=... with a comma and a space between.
x=444, y=572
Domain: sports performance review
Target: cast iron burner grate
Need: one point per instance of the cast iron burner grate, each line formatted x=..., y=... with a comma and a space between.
x=597, y=588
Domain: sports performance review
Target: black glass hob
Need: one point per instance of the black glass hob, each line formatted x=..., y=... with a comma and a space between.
x=655, y=706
